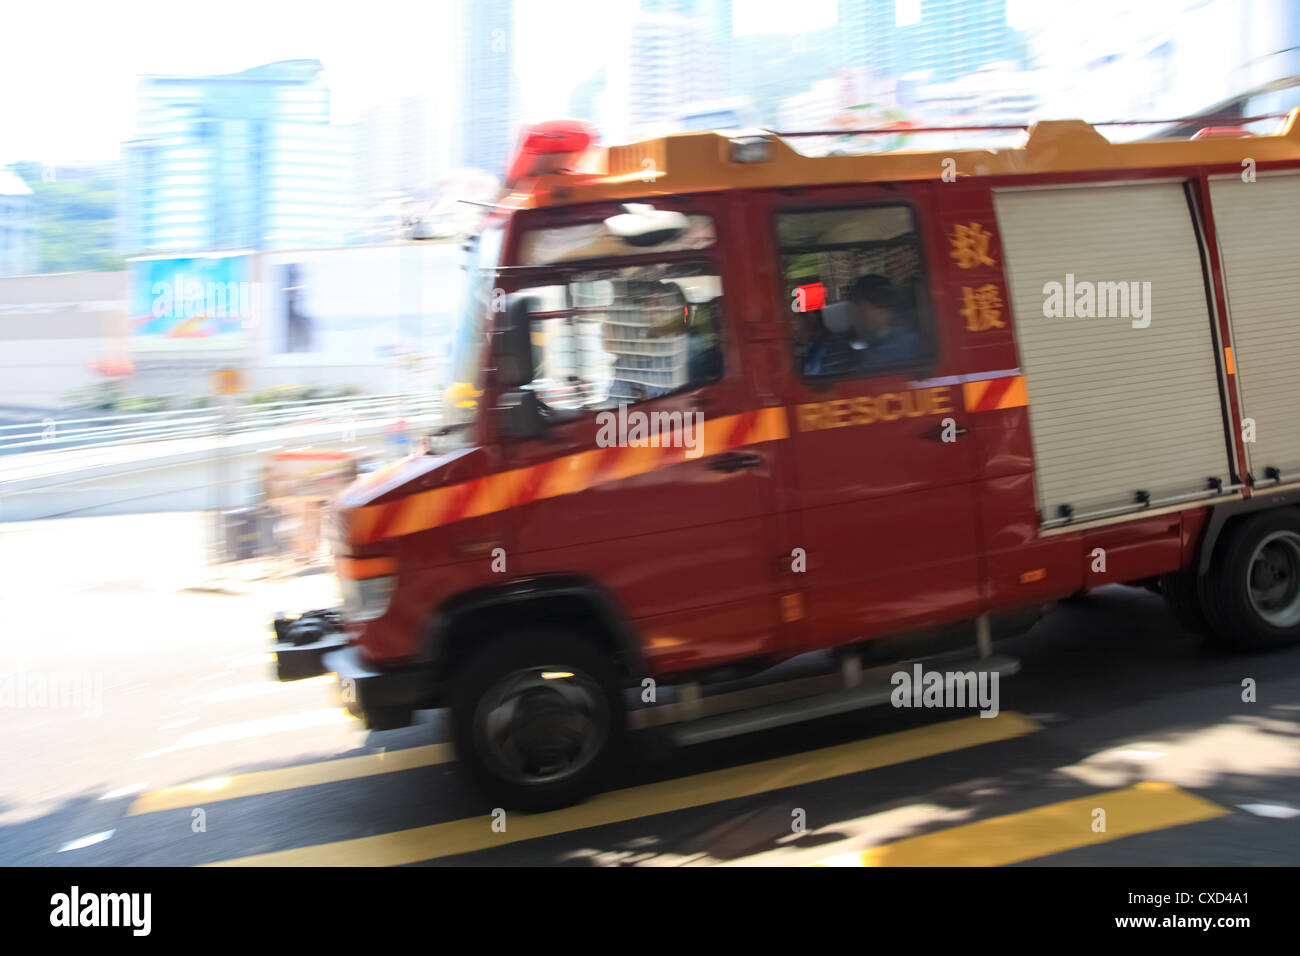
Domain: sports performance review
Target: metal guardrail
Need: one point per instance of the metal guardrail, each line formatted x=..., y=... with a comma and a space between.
x=128, y=428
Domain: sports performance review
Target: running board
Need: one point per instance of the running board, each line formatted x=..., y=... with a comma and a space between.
x=800, y=709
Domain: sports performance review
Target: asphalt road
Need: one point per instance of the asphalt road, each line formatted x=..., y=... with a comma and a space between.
x=1122, y=741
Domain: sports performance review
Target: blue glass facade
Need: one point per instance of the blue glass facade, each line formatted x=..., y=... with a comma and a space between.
x=240, y=161
x=948, y=39
x=489, y=97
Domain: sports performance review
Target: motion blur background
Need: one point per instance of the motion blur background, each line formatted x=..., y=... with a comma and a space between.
x=245, y=218
x=233, y=270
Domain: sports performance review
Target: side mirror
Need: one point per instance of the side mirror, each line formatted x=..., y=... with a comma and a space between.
x=512, y=345
x=519, y=416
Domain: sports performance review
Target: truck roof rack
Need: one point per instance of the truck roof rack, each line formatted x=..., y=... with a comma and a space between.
x=903, y=128
x=754, y=159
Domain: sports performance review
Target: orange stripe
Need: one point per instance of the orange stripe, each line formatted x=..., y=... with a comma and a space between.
x=360, y=523
x=1016, y=396
x=388, y=513
x=572, y=473
x=566, y=475
x=420, y=512
x=973, y=392
x=461, y=499
x=991, y=394
x=355, y=569
x=1227, y=354
x=772, y=425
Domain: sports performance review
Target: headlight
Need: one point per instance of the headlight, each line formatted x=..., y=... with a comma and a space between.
x=368, y=598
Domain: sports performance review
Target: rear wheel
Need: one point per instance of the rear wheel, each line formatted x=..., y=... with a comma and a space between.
x=1252, y=594
x=536, y=718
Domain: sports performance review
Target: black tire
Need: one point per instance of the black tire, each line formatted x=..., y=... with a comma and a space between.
x=1251, y=596
x=1183, y=598
x=537, y=717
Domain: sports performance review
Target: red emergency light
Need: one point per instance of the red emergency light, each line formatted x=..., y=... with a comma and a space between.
x=810, y=297
x=550, y=147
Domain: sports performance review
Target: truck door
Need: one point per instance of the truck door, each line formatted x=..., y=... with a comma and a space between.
x=647, y=477
x=879, y=469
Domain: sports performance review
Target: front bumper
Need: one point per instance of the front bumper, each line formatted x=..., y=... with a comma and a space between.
x=315, y=644
x=302, y=643
x=384, y=700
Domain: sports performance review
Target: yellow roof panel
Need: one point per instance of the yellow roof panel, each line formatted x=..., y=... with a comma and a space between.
x=701, y=162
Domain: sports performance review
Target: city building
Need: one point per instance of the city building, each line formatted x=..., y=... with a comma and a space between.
x=404, y=151
x=771, y=68
x=488, y=94
x=999, y=94
x=677, y=59
x=1154, y=62
x=17, y=226
x=939, y=40
x=245, y=160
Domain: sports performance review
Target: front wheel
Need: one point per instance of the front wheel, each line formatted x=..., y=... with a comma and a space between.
x=1251, y=597
x=536, y=717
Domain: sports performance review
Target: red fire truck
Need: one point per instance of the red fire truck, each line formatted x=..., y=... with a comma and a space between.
x=719, y=404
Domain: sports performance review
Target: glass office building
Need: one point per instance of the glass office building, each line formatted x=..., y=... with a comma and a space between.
x=245, y=160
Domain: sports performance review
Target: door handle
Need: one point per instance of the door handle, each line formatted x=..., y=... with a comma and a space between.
x=734, y=461
x=936, y=433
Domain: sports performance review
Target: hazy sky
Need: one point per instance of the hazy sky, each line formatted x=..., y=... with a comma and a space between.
x=68, y=70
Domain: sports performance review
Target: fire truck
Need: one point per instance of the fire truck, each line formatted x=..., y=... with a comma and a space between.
x=721, y=406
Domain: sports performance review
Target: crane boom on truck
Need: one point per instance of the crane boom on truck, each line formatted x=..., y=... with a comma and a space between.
x=719, y=404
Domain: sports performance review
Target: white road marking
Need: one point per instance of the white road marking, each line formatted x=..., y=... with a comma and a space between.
x=243, y=691
x=125, y=791
x=252, y=660
x=1139, y=754
x=254, y=728
x=87, y=841
x=217, y=675
x=179, y=723
x=1278, y=811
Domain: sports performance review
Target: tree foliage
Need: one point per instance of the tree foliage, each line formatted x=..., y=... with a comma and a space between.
x=75, y=220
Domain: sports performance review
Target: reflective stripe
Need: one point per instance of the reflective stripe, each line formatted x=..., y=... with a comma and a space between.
x=356, y=569
x=562, y=476
x=995, y=393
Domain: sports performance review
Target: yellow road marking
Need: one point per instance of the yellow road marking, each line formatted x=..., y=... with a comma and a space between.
x=475, y=833
x=289, y=778
x=1042, y=831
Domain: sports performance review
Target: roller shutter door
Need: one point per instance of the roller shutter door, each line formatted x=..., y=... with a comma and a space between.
x=1258, y=226
x=1114, y=410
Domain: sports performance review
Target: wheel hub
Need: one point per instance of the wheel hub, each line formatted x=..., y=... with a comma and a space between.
x=1273, y=579
x=541, y=725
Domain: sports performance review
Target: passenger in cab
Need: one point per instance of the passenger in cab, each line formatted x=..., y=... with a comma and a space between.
x=878, y=334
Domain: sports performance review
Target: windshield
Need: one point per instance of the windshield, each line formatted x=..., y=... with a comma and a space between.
x=619, y=335
x=460, y=402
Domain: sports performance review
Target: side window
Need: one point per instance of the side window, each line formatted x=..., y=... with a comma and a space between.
x=856, y=292
x=605, y=337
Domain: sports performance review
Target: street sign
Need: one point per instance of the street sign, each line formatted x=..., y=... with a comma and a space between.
x=227, y=381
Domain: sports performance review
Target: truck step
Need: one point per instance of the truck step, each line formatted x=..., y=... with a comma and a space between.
x=844, y=700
